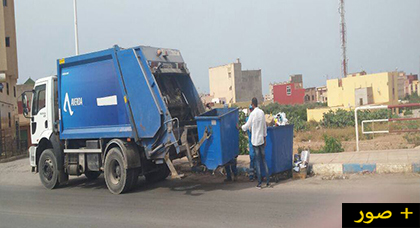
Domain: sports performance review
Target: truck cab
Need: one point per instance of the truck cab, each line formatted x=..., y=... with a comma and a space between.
x=118, y=111
x=44, y=104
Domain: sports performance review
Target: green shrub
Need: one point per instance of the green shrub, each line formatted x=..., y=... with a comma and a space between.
x=342, y=118
x=408, y=112
x=413, y=98
x=413, y=138
x=338, y=119
x=332, y=145
x=299, y=124
x=243, y=136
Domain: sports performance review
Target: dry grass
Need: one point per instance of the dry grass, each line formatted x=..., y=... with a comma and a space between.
x=343, y=134
x=314, y=139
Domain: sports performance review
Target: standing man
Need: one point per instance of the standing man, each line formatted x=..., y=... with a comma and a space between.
x=251, y=172
x=258, y=128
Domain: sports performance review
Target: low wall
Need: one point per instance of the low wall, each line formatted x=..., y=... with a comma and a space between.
x=317, y=114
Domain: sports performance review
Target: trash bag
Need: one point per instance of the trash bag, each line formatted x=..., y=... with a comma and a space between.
x=280, y=119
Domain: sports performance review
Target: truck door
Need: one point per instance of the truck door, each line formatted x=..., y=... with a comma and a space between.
x=39, y=119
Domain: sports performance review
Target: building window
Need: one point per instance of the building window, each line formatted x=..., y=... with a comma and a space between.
x=10, y=120
x=229, y=74
x=7, y=41
x=230, y=88
x=288, y=90
x=7, y=88
x=4, y=2
x=313, y=97
x=1, y=87
x=14, y=91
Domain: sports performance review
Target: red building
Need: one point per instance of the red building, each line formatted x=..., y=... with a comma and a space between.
x=289, y=93
x=412, y=77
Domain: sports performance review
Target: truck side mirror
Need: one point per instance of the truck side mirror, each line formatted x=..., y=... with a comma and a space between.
x=25, y=105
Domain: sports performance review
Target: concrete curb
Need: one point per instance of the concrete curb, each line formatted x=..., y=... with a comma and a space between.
x=328, y=169
x=416, y=167
x=337, y=168
x=340, y=169
x=357, y=168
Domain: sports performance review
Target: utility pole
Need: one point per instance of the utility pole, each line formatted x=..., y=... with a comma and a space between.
x=76, y=35
x=343, y=33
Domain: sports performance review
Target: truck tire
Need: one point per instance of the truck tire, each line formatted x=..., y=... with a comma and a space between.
x=92, y=175
x=134, y=177
x=48, y=171
x=159, y=175
x=117, y=178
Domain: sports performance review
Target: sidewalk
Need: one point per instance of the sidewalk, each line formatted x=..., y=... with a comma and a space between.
x=380, y=156
x=382, y=161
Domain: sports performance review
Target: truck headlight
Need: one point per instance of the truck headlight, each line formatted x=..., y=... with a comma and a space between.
x=32, y=156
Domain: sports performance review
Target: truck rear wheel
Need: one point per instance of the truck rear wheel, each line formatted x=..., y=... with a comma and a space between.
x=117, y=178
x=48, y=171
x=161, y=174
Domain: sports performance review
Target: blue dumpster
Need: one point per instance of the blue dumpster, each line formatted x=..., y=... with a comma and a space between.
x=278, y=150
x=223, y=144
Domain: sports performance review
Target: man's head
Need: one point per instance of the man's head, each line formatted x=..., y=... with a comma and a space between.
x=254, y=102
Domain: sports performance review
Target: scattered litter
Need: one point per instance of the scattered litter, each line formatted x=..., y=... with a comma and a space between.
x=301, y=161
x=364, y=172
x=335, y=177
x=269, y=120
x=280, y=119
x=304, y=156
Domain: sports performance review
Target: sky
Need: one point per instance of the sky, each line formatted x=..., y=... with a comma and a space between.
x=280, y=37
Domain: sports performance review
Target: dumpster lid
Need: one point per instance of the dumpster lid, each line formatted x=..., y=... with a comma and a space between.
x=216, y=113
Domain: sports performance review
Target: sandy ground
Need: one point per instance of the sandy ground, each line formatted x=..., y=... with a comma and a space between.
x=379, y=142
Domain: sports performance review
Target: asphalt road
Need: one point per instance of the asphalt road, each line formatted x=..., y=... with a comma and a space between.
x=196, y=201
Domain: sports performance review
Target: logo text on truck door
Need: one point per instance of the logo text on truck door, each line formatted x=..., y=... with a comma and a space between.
x=74, y=102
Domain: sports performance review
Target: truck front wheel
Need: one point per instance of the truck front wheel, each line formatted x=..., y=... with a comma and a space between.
x=48, y=171
x=117, y=178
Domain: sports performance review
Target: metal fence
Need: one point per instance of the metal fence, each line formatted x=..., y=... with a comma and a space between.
x=11, y=146
x=389, y=120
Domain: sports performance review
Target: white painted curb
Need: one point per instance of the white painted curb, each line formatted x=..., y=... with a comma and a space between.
x=394, y=168
x=328, y=169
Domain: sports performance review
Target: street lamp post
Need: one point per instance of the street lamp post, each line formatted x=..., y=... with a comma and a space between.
x=76, y=35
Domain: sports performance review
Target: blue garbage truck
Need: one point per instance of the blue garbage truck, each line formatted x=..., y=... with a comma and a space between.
x=121, y=112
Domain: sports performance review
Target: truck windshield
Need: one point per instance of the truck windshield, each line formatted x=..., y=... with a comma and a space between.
x=39, y=99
